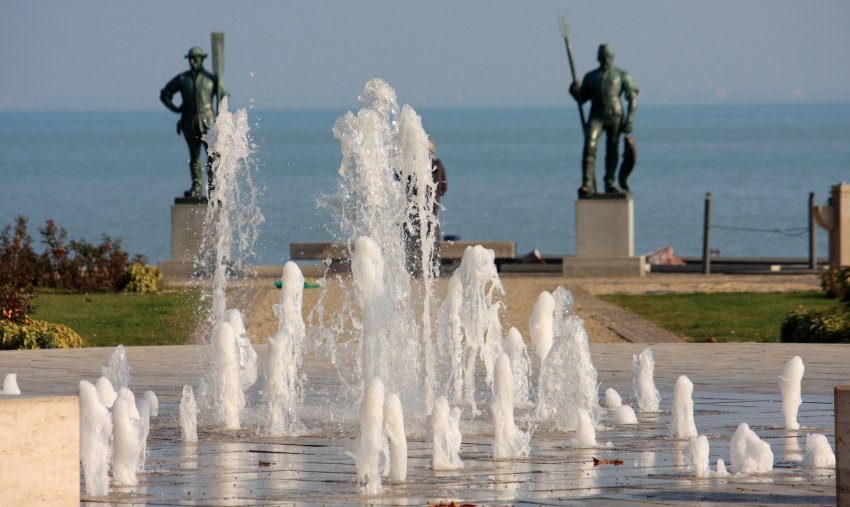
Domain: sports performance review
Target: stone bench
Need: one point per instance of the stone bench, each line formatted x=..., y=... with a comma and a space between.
x=451, y=252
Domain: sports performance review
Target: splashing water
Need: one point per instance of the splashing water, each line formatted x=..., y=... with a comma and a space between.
x=188, y=416
x=818, y=452
x=514, y=347
x=790, y=384
x=696, y=455
x=568, y=379
x=386, y=194
x=445, y=436
x=508, y=440
x=613, y=400
x=232, y=215
x=118, y=368
x=373, y=441
x=10, y=384
x=682, y=425
x=643, y=382
x=95, y=440
x=625, y=414
x=394, y=429
x=748, y=453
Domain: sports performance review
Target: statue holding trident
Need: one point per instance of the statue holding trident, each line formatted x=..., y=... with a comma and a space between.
x=603, y=87
x=198, y=88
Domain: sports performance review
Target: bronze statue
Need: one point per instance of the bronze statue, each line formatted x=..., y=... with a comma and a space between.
x=603, y=87
x=197, y=88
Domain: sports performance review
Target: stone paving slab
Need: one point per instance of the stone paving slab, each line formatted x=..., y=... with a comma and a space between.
x=733, y=383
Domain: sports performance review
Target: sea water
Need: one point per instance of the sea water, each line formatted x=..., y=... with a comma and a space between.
x=505, y=167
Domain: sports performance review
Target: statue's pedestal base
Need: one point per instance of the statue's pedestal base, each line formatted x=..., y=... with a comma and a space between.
x=835, y=218
x=604, y=240
x=602, y=267
x=40, y=450
x=187, y=235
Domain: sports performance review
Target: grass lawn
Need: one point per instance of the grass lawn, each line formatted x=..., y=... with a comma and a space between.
x=110, y=319
x=727, y=317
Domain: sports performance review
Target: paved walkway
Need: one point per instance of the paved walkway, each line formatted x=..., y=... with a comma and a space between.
x=733, y=383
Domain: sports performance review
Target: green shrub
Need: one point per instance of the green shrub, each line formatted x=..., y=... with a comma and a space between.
x=836, y=282
x=143, y=279
x=38, y=334
x=810, y=326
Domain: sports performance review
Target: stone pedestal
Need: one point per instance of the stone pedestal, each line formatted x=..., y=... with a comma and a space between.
x=40, y=450
x=187, y=234
x=835, y=218
x=842, y=445
x=604, y=240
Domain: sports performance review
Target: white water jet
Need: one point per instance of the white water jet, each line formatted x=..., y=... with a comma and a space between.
x=585, y=436
x=225, y=393
x=10, y=384
x=720, y=469
x=508, y=440
x=106, y=391
x=144, y=408
x=541, y=325
x=625, y=414
x=445, y=436
x=613, y=400
x=790, y=385
x=246, y=356
x=279, y=389
x=818, y=452
x=127, y=442
x=154, y=402
x=231, y=227
x=748, y=453
x=479, y=318
x=450, y=339
x=372, y=443
x=188, y=416
x=568, y=379
x=514, y=347
x=385, y=193
x=394, y=429
x=118, y=368
x=367, y=271
x=95, y=440
x=127, y=395
x=682, y=425
x=696, y=456
x=643, y=382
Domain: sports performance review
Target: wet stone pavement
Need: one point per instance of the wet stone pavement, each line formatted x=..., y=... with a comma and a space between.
x=733, y=383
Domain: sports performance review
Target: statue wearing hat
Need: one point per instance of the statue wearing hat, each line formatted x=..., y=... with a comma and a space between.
x=603, y=87
x=197, y=87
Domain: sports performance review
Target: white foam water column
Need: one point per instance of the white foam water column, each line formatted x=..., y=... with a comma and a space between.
x=682, y=425
x=790, y=384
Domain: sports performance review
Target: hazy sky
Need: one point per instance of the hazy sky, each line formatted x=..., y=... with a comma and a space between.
x=117, y=55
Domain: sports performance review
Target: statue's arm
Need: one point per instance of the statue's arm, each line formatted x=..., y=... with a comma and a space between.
x=578, y=91
x=166, y=95
x=220, y=93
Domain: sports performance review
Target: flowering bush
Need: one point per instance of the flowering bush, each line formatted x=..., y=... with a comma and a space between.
x=19, y=272
x=143, y=279
x=38, y=334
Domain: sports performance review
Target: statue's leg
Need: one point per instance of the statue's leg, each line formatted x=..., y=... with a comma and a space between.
x=612, y=138
x=195, y=168
x=210, y=176
x=591, y=139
